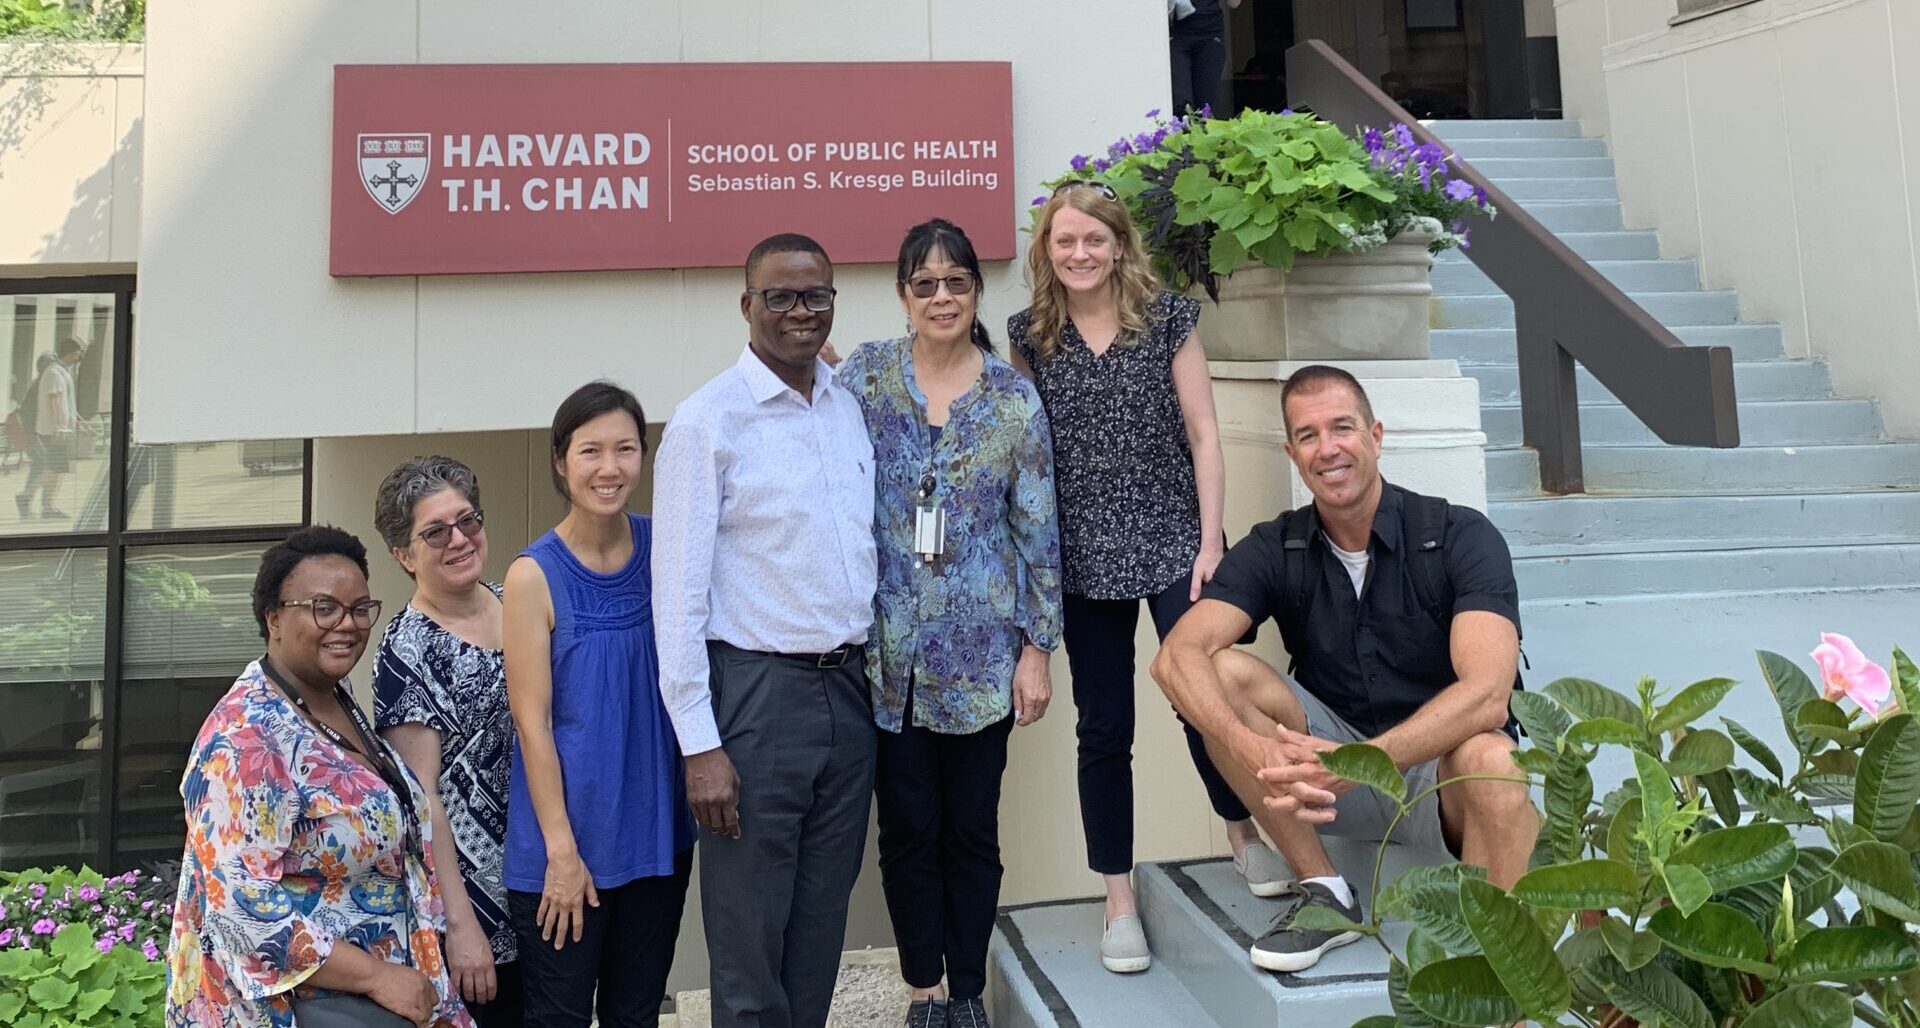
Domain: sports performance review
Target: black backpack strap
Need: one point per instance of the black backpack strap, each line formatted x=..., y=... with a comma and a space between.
x=1425, y=535
x=1297, y=580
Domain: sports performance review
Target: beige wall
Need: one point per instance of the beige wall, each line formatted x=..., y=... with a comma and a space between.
x=70, y=136
x=237, y=184
x=1776, y=143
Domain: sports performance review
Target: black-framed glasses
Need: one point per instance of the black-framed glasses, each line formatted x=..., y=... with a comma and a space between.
x=781, y=301
x=924, y=286
x=328, y=612
x=440, y=533
x=1086, y=183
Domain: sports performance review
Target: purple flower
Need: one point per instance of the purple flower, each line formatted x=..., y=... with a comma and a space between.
x=39, y=891
x=126, y=932
x=1079, y=162
x=6, y=937
x=1160, y=136
x=1037, y=201
x=1403, y=135
x=105, y=943
x=1459, y=189
x=1375, y=141
x=1101, y=164
x=1206, y=110
x=1430, y=155
x=1155, y=113
x=1120, y=148
x=147, y=947
x=1480, y=195
x=1284, y=111
x=44, y=926
x=1460, y=229
x=1143, y=142
x=1426, y=176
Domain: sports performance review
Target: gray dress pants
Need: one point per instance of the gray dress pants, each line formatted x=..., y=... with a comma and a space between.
x=775, y=900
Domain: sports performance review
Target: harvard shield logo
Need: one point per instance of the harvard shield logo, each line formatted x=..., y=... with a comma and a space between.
x=393, y=167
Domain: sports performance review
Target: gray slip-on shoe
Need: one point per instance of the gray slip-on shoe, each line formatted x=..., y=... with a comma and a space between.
x=1123, y=946
x=1265, y=872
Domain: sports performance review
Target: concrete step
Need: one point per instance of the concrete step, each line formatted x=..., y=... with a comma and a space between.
x=1758, y=380
x=1497, y=345
x=1552, y=526
x=1475, y=150
x=1691, y=307
x=1501, y=169
x=1846, y=467
x=1043, y=971
x=1619, y=245
x=1536, y=190
x=1595, y=577
x=1463, y=279
x=1778, y=423
x=1577, y=215
x=1504, y=128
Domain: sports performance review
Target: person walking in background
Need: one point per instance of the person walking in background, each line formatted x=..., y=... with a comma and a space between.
x=967, y=615
x=55, y=427
x=599, y=838
x=440, y=697
x=1141, y=490
x=1197, y=51
x=307, y=876
x=763, y=499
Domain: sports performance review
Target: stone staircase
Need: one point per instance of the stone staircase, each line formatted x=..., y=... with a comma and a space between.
x=1677, y=563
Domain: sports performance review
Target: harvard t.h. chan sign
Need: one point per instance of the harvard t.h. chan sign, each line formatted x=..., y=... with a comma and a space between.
x=451, y=169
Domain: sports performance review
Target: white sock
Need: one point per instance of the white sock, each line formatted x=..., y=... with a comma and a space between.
x=1336, y=885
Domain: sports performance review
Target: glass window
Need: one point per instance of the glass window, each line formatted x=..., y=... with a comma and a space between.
x=53, y=606
x=215, y=485
x=58, y=376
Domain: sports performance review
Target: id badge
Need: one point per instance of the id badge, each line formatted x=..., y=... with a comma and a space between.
x=929, y=532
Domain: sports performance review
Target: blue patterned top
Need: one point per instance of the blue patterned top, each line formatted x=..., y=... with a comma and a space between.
x=620, y=764
x=426, y=675
x=954, y=628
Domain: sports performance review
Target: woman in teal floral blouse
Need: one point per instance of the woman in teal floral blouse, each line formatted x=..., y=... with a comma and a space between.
x=967, y=614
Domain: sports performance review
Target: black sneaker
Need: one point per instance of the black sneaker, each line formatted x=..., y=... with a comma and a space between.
x=1286, y=948
x=927, y=1013
x=967, y=1013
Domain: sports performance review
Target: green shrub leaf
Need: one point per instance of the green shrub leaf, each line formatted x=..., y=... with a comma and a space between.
x=1367, y=765
x=1735, y=856
x=1687, y=885
x=1716, y=935
x=1700, y=753
x=1428, y=897
x=1658, y=803
x=74, y=940
x=1849, y=953
x=52, y=992
x=1581, y=949
x=1516, y=949
x=1906, y=682
x=1756, y=749
x=1326, y=919
x=1596, y=730
x=1726, y=803
x=1462, y=990
x=1543, y=720
x=1881, y=874
x=1772, y=799
x=10, y=1004
x=1568, y=792
x=1803, y=1006
x=1791, y=687
x=1397, y=978
x=1534, y=761
x=1581, y=885
x=1823, y=719
x=1888, y=785
x=1654, y=995
x=1692, y=703
x=1632, y=949
x=1589, y=699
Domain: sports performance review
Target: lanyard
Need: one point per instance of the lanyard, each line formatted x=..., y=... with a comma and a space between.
x=383, y=763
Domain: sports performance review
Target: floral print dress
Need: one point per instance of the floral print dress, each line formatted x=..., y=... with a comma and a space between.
x=293, y=848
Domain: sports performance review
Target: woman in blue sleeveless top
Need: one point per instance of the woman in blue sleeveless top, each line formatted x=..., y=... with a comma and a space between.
x=599, y=837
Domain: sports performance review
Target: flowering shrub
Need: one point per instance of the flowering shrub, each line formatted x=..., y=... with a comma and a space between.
x=77, y=948
x=1209, y=193
x=1697, y=894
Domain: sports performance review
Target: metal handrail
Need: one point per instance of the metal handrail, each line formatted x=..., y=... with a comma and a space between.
x=1564, y=310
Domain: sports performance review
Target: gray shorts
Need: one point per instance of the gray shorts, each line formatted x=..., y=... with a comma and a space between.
x=1362, y=813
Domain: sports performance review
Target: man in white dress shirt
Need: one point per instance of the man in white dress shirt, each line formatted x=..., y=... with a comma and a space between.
x=763, y=577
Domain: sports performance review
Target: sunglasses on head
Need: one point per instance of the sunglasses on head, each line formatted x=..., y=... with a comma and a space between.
x=924, y=286
x=1086, y=183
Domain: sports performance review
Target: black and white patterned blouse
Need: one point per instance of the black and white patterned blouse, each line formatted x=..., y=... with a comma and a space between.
x=426, y=675
x=1129, y=512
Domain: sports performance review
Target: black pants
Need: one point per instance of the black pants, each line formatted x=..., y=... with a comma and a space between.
x=624, y=954
x=507, y=1009
x=1099, y=640
x=939, y=811
x=775, y=900
x=1197, y=62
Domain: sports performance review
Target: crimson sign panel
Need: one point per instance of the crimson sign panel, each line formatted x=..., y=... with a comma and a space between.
x=455, y=169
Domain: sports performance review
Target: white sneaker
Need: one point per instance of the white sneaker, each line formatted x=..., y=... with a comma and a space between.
x=1123, y=946
x=1265, y=872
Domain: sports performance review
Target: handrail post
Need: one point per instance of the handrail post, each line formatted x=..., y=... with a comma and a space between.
x=1549, y=404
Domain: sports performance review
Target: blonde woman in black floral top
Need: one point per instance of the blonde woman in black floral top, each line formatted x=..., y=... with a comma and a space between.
x=1141, y=486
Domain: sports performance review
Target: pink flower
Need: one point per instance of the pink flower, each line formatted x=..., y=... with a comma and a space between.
x=147, y=947
x=105, y=944
x=44, y=926
x=1847, y=672
x=89, y=893
x=6, y=938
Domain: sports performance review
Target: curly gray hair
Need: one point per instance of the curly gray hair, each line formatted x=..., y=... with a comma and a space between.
x=405, y=486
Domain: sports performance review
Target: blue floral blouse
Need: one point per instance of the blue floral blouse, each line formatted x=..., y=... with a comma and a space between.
x=954, y=628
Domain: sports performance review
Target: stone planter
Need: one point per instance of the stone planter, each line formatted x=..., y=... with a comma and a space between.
x=1363, y=306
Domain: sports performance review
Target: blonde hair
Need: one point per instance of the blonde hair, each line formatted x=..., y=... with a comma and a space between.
x=1133, y=284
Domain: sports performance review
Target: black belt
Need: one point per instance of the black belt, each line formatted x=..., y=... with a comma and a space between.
x=831, y=659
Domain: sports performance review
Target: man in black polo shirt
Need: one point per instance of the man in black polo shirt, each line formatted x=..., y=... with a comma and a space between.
x=1403, y=620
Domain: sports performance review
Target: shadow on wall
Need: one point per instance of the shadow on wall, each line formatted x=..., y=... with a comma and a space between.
x=88, y=228
x=32, y=69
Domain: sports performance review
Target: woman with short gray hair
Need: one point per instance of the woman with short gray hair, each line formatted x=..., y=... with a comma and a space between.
x=440, y=697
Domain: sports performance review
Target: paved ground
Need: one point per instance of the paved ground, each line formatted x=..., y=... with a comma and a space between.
x=870, y=994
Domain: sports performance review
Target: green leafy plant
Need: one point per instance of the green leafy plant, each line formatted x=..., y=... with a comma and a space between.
x=80, y=949
x=1210, y=194
x=1699, y=893
x=123, y=20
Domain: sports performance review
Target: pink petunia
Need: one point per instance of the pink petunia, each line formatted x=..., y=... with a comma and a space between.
x=1846, y=671
x=106, y=943
x=44, y=926
x=147, y=947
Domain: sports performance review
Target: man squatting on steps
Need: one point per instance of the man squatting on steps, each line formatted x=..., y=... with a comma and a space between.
x=1413, y=646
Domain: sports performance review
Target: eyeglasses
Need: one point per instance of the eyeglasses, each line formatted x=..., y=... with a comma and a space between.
x=1086, y=183
x=781, y=301
x=328, y=612
x=439, y=534
x=926, y=285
